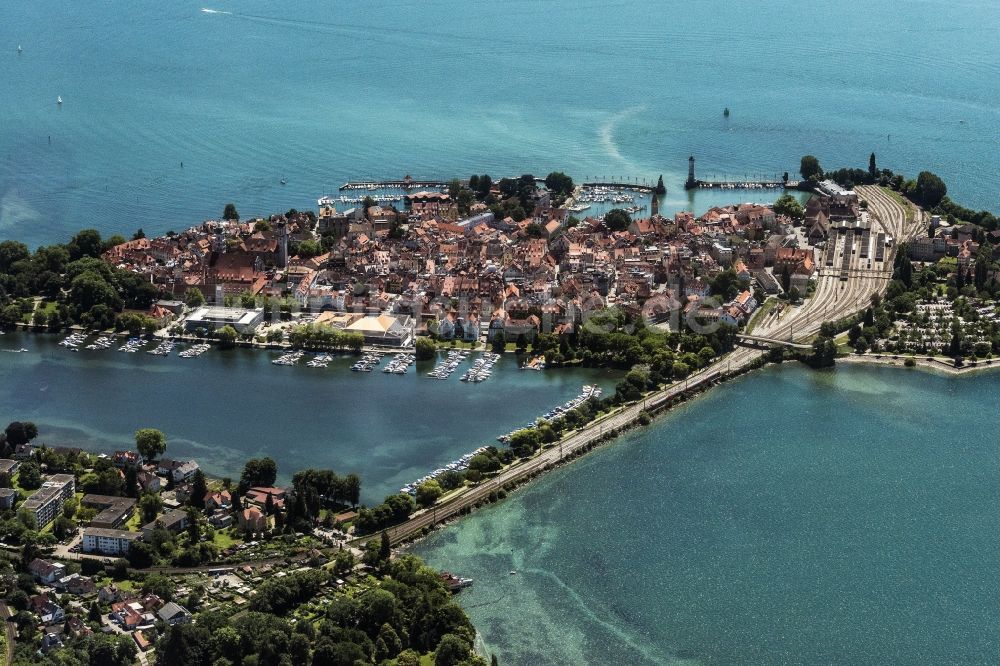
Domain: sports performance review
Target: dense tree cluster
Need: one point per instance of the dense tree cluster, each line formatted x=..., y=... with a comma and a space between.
x=393, y=510
x=409, y=614
x=83, y=288
x=96, y=650
x=320, y=336
x=258, y=472
x=313, y=489
x=559, y=185
x=611, y=338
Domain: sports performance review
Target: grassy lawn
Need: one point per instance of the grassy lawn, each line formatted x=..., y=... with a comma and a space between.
x=901, y=201
x=762, y=312
x=224, y=540
x=48, y=307
x=135, y=522
x=15, y=481
x=127, y=585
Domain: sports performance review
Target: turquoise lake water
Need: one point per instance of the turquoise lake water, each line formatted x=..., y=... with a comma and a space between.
x=790, y=517
x=319, y=92
x=224, y=407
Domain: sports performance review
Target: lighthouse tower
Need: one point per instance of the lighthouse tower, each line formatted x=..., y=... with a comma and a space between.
x=654, y=207
x=691, y=182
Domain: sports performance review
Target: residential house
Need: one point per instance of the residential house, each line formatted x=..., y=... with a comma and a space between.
x=178, y=470
x=218, y=500
x=123, y=459
x=173, y=613
x=175, y=521
x=48, y=611
x=252, y=519
x=46, y=572
x=258, y=496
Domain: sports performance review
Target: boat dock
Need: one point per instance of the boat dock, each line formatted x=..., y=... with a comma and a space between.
x=636, y=187
x=404, y=184
x=756, y=181
x=740, y=185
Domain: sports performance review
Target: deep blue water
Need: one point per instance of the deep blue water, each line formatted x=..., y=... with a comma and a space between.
x=790, y=517
x=319, y=92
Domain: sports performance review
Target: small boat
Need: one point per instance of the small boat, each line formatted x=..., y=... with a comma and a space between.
x=59, y=99
x=283, y=181
x=725, y=113
x=19, y=49
x=513, y=573
x=453, y=582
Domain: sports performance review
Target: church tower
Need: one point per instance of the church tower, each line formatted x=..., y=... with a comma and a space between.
x=691, y=182
x=282, y=245
x=654, y=206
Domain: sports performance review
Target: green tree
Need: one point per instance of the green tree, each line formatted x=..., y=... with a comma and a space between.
x=230, y=213
x=930, y=189
x=88, y=290
x=150, y=443
x=62, y=527
x=384, y=547
x=227, y=336
x=258, y=472
x=809, y=168
x=617, y=219
x=452, y=650
x=184, y=644
x=559, y=184
x=790, y=206
x=20, y=432
x=872, y=169
x=425, y=349
x=86, y=243
x=150, y=505
x=428, y=493
x=308, y=249
x=10, y=316
x=193, y=298
x=725, y=285
x=30, y=475
x=199, y=488
x=11, y=253
x=824, y=353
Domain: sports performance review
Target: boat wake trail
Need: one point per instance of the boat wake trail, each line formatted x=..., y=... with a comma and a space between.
x=607, y=132
x=215, y=11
